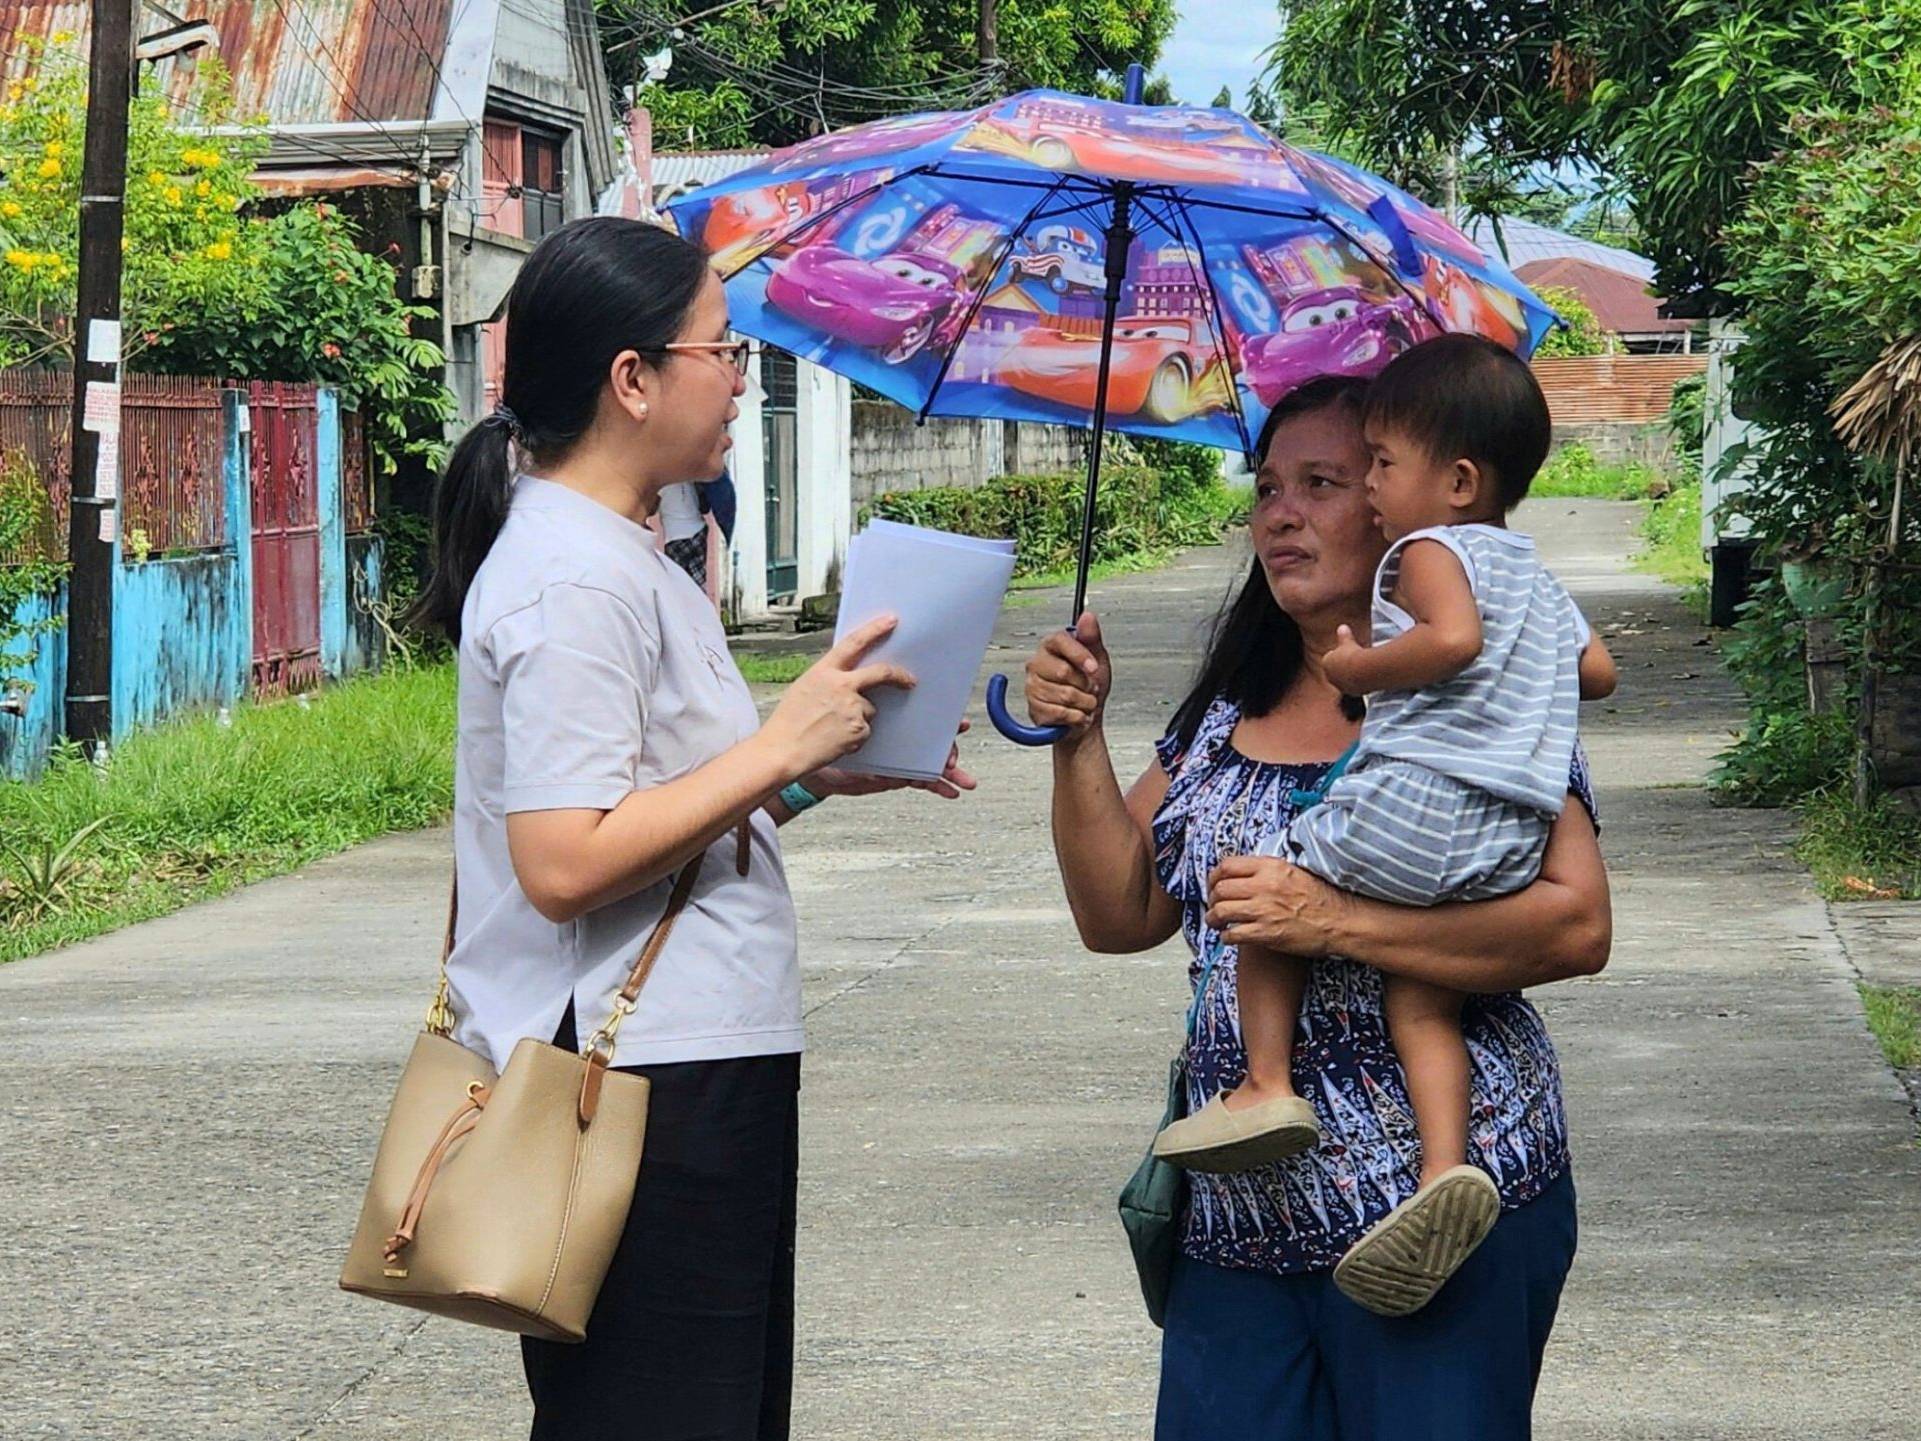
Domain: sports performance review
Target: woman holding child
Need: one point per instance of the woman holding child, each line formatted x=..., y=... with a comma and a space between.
x=1365, y=1082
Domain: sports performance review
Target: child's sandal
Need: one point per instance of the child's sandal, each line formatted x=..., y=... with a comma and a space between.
x=1406, y=1257
x=1217, y=1139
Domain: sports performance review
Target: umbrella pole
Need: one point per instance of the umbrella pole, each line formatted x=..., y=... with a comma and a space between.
x=1120, y=239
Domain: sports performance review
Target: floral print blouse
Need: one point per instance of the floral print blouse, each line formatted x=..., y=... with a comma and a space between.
x=1303, y=1214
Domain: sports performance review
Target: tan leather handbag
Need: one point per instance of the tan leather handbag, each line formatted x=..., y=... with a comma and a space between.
x=499, y=1199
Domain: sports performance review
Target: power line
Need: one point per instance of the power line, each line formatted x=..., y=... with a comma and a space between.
x=440, y=82
x=954, y=88
x=348, y=96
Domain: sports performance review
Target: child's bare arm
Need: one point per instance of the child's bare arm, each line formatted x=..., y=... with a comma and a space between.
x=1598, y=674
x=1445, y=636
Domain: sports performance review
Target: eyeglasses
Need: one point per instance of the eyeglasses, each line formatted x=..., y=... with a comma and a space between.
x=732, y=352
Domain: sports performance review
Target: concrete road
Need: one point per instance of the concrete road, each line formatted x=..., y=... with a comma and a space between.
x=189, y=1108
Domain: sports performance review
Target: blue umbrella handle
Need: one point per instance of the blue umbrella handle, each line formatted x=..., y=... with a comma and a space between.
x=1015, y=731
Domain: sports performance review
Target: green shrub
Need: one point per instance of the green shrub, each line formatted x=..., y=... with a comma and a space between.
x=1687, y=420
x=1139, y=511
x=1784, y=756
x=1583, y=335
x=28, y=569
x=1185, y=469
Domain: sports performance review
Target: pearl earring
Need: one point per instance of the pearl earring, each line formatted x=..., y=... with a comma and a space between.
x=641, y=410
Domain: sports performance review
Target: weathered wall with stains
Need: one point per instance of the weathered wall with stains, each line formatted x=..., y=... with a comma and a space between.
x=366, y=641
x=25, y=740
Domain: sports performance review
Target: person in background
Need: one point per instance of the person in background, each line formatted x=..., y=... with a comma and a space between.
x=685, y=529
x=718, y=500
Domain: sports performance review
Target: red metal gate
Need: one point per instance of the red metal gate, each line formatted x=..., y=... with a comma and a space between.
x=286, y=537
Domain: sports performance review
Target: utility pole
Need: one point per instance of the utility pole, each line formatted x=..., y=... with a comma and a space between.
x=990, y=41
x=93, y=532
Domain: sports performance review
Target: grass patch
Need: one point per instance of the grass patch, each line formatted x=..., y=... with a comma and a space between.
x=1671, y=542
x=1894, y=1015
x=194, y=808
x=1572, y=472
x=1860, y=855
x=760, y=668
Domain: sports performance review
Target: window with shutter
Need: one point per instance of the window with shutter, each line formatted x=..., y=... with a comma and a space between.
x=540, y=169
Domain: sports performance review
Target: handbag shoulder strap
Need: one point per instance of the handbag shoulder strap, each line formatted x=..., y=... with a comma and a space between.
x=601, y=1043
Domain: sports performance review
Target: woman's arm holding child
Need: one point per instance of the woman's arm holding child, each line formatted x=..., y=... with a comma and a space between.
x=1559, y=926
x=1444, y=639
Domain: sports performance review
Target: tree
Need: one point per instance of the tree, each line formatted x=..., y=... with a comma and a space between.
x=1223, y=99
x=190, y=250
x=1673, y=103
x=756, y=75
x=1260, y=107
x=211, y=285
x=1583, y=334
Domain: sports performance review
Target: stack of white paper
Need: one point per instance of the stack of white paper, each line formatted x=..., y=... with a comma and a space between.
x=946, y=589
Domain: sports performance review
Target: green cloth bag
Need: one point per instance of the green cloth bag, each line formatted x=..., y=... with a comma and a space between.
x=1152, y=1199
x=1151, y=1203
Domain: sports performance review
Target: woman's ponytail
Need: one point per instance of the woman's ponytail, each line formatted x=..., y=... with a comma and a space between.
x=470, y=506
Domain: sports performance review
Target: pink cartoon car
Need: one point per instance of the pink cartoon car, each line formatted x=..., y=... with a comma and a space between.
x=1329, y=332
x=893, y=304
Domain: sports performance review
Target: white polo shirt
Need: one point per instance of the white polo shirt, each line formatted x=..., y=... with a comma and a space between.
x=592, y=667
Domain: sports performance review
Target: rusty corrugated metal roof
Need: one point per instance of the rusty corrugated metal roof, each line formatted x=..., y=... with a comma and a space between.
x=297, y=62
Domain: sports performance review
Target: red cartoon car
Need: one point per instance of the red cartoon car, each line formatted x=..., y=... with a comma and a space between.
x=1159, y=368
x=1175, y=150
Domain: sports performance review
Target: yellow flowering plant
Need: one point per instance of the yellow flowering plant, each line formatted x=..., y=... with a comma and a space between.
x=181, y=264
x=210, y=287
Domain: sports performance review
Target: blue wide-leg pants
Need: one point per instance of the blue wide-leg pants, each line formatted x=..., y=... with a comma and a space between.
x=1251, y=1356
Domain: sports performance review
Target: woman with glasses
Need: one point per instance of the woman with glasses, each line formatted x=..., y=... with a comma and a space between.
x=606, y=744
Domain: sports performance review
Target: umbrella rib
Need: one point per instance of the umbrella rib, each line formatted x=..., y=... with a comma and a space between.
x=1214, y=313
x=1007, y=249
x=1387, y=268
x=1270, y=212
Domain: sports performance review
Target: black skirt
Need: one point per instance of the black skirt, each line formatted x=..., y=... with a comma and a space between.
x=693, y=1333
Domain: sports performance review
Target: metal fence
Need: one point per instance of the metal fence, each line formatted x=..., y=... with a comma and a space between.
x=36, y=420
x=173, y=489
x=172, y=470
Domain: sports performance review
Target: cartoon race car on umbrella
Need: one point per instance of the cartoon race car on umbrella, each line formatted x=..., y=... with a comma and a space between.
x=1329, y=332
x=1160, y=368
x=892, y=305
x=1063, y=256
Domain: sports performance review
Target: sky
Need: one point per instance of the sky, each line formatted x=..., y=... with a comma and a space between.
x=1216, y=43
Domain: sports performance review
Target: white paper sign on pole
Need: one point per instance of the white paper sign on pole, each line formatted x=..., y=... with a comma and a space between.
x=110, y=523
x=106, y=467
x=101, y=408
x=103, y=342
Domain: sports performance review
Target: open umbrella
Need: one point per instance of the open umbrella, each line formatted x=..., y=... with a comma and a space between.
x=1165, y=270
